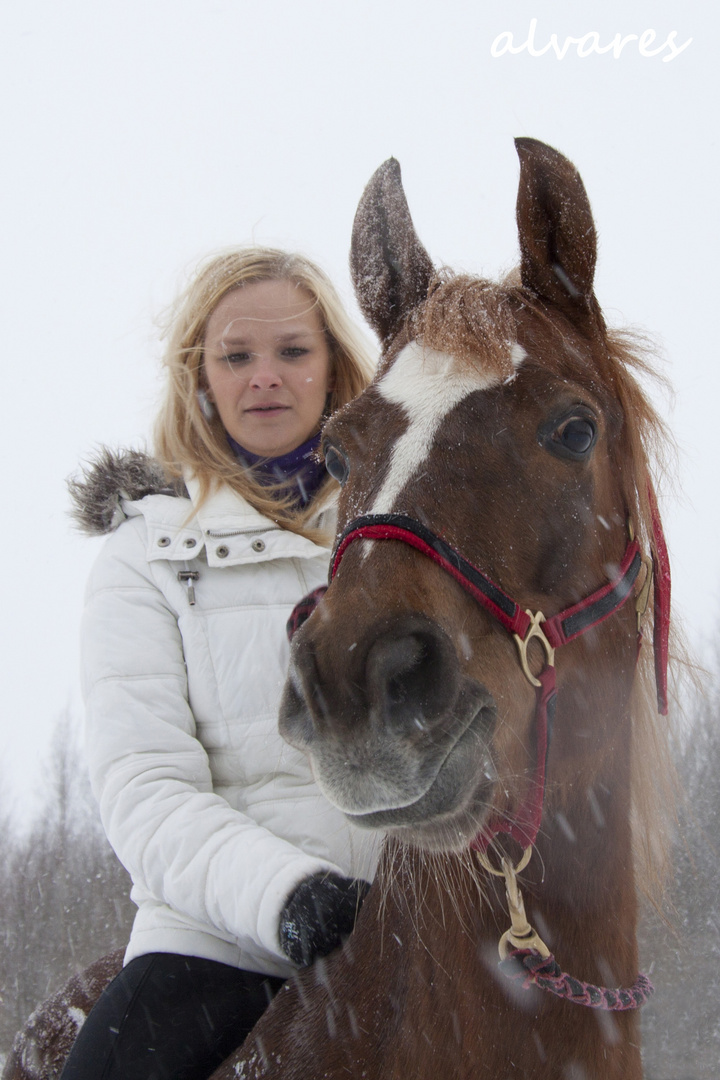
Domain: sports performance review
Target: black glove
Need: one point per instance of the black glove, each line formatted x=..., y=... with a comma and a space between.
x=318, y=915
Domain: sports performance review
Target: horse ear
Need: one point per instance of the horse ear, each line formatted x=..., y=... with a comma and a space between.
x=390, y=269
x=558, y=245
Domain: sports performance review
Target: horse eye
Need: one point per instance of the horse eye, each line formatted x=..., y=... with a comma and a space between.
x=576, y=436
x=336, y=464
x=572, y=438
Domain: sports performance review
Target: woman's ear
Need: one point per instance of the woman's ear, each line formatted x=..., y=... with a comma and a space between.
x=204, y=386
x=205, y=402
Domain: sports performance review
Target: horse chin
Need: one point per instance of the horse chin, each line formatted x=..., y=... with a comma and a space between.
x=451, y=812
x=452, y=834
x=441, y=832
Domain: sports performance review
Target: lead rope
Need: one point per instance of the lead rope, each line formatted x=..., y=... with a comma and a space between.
x=525, y=958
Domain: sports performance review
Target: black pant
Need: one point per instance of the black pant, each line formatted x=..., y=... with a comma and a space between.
x=168, y=1017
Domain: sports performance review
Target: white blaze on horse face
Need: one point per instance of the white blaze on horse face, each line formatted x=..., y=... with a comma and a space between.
x=428, y=384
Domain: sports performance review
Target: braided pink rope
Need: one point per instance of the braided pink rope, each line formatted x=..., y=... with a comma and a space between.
x=534, y=970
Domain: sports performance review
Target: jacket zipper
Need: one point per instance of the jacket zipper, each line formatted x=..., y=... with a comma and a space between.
x=222, y=534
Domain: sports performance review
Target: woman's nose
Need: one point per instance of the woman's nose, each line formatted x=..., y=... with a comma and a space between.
x=265, y=374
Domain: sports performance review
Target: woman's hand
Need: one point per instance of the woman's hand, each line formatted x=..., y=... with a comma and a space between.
x=319, y=915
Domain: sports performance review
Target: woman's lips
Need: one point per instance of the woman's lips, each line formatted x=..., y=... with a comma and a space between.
x=267, y=410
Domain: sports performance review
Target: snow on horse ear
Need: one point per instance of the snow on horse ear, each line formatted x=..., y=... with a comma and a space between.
x=557, y=236
x=390, y=268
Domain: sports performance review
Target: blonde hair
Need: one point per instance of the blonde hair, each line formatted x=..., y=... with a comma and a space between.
x=184, y=438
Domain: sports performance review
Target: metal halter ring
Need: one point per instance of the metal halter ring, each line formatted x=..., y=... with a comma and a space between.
x=505, y=865
x=534, y=631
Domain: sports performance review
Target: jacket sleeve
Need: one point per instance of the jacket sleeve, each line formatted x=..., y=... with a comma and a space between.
x=182, y=844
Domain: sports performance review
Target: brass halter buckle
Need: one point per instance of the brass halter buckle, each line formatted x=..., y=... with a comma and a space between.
x=643, y=597
x=521, y=934
x=534, y=630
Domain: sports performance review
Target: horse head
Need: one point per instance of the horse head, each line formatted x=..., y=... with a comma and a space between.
x=503, y=423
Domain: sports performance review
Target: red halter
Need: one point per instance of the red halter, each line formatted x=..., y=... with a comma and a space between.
x=524, y=626
x=525, y=955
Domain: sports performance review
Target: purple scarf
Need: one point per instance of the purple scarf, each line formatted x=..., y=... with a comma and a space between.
x=301, y=471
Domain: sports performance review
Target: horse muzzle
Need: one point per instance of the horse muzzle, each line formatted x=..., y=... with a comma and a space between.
x=397, y=734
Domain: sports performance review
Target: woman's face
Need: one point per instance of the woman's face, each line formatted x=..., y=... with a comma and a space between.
x=267, y=365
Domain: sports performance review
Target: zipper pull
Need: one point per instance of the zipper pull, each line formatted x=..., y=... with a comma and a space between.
x=188, y=576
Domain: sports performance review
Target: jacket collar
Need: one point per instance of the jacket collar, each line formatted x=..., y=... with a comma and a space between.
x=230, y=530
x=225, y=511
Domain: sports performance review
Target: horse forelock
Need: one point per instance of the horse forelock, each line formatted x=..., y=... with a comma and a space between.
x=472, y=319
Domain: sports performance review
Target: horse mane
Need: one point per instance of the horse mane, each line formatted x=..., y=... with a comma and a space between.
x=655, y=784
x=474, y=319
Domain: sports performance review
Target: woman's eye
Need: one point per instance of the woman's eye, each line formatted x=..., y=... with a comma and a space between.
x=574, y=437
x=294, y=352
x=237, y=358
x=336, y=464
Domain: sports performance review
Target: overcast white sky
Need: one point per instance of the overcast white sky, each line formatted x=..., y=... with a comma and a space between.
x=138, y=135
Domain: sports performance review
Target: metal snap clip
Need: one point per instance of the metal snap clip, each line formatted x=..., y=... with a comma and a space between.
x=222, y=552
x=164, y=541
x=189, y=542
x=521, y=935
x=258, y=545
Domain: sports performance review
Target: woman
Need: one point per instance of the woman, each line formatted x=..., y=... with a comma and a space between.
x=241, y=870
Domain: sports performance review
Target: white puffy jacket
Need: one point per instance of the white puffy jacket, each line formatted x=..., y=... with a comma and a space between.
x=214, y=816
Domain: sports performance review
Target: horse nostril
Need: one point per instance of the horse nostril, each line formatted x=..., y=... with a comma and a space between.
x=409, y=658
x=411, y=677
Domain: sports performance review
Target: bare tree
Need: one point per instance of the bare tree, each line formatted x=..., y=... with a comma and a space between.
x=682, y=1023
x=63, y=894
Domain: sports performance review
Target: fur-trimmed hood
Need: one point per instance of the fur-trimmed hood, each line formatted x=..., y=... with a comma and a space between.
x=114, y=476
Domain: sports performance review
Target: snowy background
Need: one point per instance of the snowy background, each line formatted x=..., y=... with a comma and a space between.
x=139, y=135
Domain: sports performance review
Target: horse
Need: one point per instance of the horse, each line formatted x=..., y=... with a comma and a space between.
x=39, y=1050
x=472, y=682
